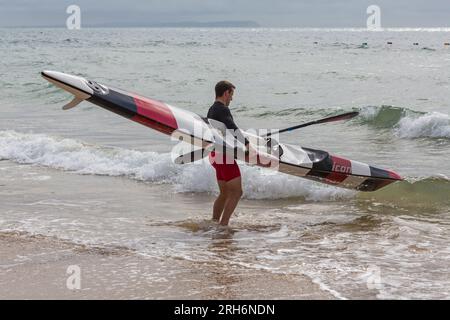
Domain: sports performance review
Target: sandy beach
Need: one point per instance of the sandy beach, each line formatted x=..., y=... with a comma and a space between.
x=35, y=267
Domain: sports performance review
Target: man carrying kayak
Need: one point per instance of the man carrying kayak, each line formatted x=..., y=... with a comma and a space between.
x=227, y=172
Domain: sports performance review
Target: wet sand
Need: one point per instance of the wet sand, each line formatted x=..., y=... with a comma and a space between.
x=35, y=267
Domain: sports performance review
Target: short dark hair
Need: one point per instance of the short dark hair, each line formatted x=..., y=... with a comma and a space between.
x=222, y=87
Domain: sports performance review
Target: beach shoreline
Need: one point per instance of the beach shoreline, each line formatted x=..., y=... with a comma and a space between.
x=35, y=267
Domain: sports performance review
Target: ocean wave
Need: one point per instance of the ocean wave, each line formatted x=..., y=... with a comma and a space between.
x=407, y=123
x=384, y=116
x=430, y=125
x=403, y=122
x=426, y=192
x=75, y=156
x=72, y=155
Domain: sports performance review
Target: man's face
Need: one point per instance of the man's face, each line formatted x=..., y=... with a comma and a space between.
x=229, y=97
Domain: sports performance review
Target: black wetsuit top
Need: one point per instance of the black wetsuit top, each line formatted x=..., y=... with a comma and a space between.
x=218, y=111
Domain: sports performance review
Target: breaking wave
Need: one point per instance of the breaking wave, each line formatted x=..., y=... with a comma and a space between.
x=78, y=157
x=407, y=123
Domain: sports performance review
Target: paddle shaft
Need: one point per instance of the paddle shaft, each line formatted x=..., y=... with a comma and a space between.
x=343, y=116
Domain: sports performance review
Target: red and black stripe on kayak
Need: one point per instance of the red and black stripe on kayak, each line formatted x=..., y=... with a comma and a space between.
x=334, y=170
x=151, y=113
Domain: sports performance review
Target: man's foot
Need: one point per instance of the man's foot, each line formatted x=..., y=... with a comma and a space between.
x=221, y=227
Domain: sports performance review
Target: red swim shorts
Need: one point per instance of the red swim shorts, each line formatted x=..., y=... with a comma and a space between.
x=224, y=172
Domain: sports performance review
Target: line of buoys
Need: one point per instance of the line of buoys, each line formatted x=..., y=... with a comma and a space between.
x=390, y=43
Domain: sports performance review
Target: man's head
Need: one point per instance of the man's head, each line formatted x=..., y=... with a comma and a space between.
x=224, y=92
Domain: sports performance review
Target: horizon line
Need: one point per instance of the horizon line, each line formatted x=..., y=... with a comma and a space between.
x=355, y=29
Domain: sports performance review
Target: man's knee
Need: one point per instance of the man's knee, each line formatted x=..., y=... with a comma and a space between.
x=236, y=193
x=224, y=193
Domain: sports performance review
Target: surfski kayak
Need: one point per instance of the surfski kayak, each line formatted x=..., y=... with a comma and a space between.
x=303, y=162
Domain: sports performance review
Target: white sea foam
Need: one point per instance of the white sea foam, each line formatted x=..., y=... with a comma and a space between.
x=408, y=123
x=78, y=157
x=430, y=125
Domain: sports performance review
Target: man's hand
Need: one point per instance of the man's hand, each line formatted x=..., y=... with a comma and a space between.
x=247, y=148
x=250, y=151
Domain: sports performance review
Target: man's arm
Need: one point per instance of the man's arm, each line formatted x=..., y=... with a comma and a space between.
x=229, y=123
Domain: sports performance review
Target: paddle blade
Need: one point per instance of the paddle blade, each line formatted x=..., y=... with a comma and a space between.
x=191, y=156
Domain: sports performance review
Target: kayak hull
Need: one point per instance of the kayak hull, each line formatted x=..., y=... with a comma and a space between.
x=316, y=165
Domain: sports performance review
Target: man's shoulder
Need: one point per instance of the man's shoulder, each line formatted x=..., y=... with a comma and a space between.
x=217, y=108
x=212, y=108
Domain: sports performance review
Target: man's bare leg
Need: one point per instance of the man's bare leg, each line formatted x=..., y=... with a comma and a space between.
x=219, y=204
x=234, y=194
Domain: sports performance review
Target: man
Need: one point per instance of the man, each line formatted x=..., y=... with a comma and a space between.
x=228, y=174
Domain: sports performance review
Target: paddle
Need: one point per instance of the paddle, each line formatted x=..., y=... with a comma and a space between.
x=194, y=155
x=343, y=116
x=191, y=156
x=199, y=154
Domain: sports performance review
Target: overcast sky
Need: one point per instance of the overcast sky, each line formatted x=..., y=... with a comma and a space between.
x=267, y=13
